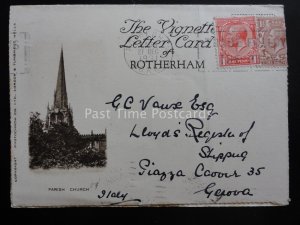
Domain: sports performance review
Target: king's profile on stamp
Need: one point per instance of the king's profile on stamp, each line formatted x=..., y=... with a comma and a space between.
x=55, y=142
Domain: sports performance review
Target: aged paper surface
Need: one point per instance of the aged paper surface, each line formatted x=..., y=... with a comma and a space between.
x=148, y=105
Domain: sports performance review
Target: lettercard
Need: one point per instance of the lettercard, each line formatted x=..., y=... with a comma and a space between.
x=134, y=105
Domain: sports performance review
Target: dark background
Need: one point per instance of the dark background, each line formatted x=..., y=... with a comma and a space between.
x=185, y=216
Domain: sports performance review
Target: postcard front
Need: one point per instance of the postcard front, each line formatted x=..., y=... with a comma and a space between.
x=148, y=105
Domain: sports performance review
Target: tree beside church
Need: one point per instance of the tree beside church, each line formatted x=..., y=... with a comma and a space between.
x=55, y=142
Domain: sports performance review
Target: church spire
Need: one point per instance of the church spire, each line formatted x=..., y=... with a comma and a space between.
x=60, y=97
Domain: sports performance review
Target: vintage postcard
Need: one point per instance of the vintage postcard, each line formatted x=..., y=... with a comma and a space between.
x=157, y=105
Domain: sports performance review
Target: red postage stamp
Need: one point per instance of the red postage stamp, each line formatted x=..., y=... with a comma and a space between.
x=237, y=41
x=272, y=41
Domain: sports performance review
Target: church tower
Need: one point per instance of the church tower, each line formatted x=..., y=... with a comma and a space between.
x=60, y=111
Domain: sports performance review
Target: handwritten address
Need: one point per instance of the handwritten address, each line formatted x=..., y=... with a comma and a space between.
x=197, y=130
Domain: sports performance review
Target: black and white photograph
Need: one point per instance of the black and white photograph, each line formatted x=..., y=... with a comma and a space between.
x=55, y=142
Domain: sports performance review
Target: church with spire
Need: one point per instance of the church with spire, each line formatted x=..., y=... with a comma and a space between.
x=61, y=111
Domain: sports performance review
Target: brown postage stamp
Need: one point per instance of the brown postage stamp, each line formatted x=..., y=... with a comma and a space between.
x=272, y=41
